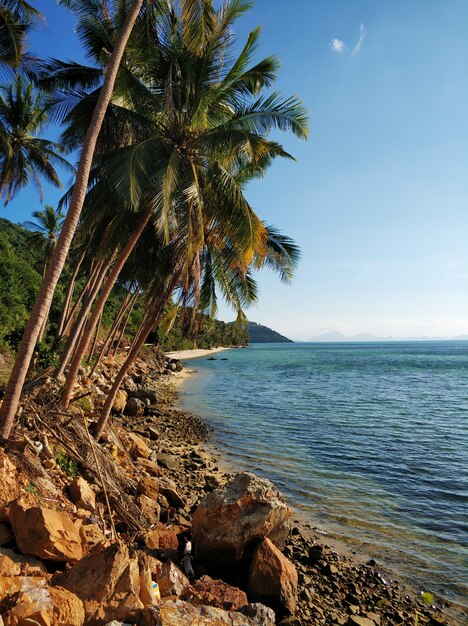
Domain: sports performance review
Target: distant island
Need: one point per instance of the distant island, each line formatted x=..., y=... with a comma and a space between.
x=262, y=334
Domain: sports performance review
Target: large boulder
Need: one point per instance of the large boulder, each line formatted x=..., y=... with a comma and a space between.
x=108, y=583
x=273, y=578
x=120, y=402
x=230, y=522
x=45, y=533
x=215, y=593
x=179, y=613
x=134, y=407
x=46, y=606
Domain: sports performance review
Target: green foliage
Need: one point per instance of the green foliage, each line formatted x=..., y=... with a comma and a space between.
x=31, y=487
x=65, y=463
x=207, y=333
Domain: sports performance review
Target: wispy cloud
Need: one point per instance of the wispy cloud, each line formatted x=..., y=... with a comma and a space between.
x=362, y=34
x=337, y=46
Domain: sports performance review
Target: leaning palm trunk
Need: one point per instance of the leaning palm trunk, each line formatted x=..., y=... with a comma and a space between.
x=96, y=333
x=46, y=293
x=98, y=309
x=76, y=332
x=104, y=348
x=83, y=297
x=118, y=318
x=126, y=320
x=116, y=325
x=151, y=318
x=69, y=296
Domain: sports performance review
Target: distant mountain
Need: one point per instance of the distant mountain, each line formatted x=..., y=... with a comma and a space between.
x=262, y=334
x=336, y=336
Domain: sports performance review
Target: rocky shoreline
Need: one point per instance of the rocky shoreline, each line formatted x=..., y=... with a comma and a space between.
x=86, y=529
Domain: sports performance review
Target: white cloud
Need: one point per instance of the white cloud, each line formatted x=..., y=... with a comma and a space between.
x=362, y=34
x=337, y=46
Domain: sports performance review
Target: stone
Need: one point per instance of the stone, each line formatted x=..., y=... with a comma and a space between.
x=148, y=487
x=45, y=533
x=172, y=582
x=134, y=407
x=355, y=620
x=29, y=565
x=180, y=613
x=108, y=583
x=215, y=593
x=120, y=402
x=138, y=446
x=151, y=539
x=92, y=537
x=259, y=613
x=169, y=461
x=149, y=510
x=82, y=495
x=44, y=606
x=6, y=534
x=8, y=567
x=168, y=539
x=12, y=481
x=151, y=467
x=145, y=394
x=229, y=522
x=273, y=578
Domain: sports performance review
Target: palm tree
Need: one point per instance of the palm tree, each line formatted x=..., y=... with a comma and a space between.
x=189, y=117
x=46, y=292
x=16, y=18
x=24, y=156
x=45, y=231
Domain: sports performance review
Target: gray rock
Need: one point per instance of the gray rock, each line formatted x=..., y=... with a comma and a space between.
x=259, y=614
x=168, y=461
x=134, y=407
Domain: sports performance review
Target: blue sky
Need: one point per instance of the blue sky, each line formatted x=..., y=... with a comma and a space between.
x=378, y=197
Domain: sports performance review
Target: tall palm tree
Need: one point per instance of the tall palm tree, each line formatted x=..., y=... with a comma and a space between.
x=45, y=231
x=24, y=156
x=189, y=116
x=16, y=18
x=46, y=292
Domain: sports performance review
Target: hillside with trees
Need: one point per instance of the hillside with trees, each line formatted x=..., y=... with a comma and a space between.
x=262, y=334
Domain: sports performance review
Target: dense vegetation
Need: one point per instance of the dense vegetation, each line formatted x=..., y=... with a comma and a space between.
x=172, y=118
x=263, y=334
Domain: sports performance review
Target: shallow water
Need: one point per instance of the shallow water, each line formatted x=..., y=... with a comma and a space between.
x=369, y=440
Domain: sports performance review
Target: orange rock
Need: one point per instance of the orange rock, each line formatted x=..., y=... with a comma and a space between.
x=149, y=487
x=91, y=536
x=138, y=446
x=12, y=481
x=172, y=582
x=149, y=509
x=215, y=593
x=151, y=539
x=229, y=520
x=82, y=495
x=29, y=565
x=45, y=533
x=168, y=539
x=179, y=613
x=149, y=466
x=8, y=567
x=108, y=583
x=273, y=578
x=47, y=606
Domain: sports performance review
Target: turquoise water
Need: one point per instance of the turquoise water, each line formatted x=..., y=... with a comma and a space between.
x=369, y=440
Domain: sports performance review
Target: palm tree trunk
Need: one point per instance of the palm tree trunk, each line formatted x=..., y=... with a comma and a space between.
x=127, y=318
x=69, y=295
x=91, y=352
x=106, y=343
x=115, y=326
x=77, y=329
x=98, y=309
x=150, y=319
x=47, y=290
x=96, y=266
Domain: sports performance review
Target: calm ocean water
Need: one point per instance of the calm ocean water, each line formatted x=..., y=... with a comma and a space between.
x=369, y=440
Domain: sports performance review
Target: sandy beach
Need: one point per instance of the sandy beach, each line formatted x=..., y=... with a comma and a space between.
x=193, y=354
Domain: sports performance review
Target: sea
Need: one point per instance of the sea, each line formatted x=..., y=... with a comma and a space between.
x=368, y=441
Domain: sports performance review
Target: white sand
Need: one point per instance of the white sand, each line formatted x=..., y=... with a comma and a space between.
x=193, y=354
